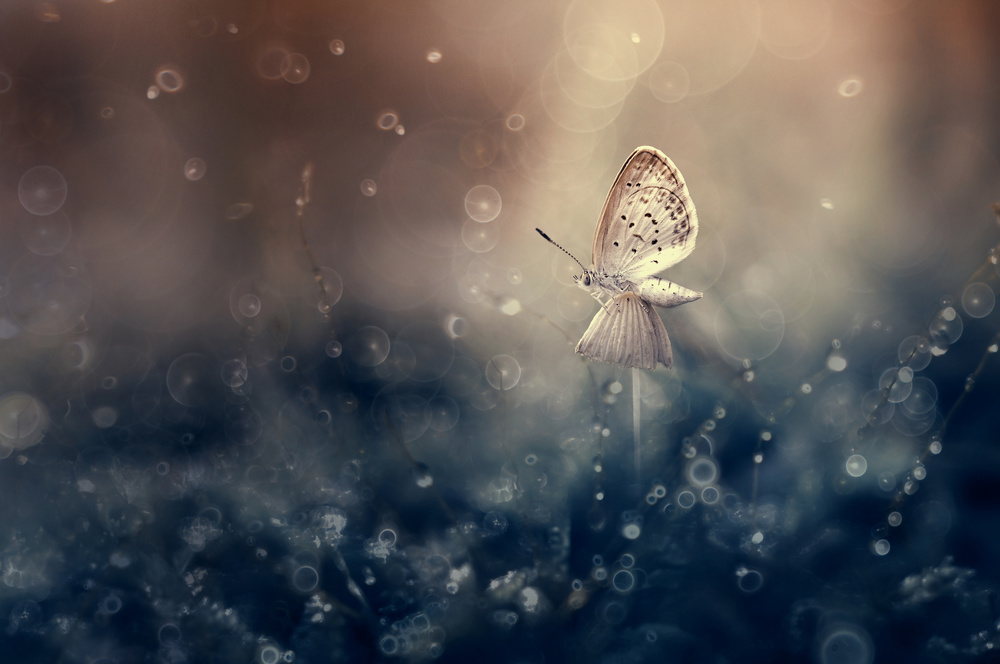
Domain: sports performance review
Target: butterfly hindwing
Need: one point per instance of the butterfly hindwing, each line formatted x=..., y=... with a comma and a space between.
x=628, y=332
x=665, y=293
x=648, y=222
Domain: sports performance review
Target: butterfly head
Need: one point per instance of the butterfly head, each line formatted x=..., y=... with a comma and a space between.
x=594, y=282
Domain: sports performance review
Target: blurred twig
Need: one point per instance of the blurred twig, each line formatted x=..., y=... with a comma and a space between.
x=301, y=201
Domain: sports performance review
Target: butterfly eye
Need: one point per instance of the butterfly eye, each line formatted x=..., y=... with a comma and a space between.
x=585, y=279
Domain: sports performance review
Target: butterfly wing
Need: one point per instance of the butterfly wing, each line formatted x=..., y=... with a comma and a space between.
x=665, y=293
x=648, y=222
x=627, y=332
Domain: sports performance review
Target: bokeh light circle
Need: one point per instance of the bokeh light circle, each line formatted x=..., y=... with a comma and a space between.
x=503, y=372
x=48, y=294
x=169, y=634
x=249, y=305
x=923, y=398
x=574, y=304
x=702, y=471
x=42, y=190
x=483, y=203
x=846, y=645
x=614, y=41
x=915, y=352
x=189, y=379
x=295, y=68
x=686, y=499
x=270, y=62
x=479, y=238
x=623, y=581
x=713, y=40
x=837, y=409
x=978, y=300
x=749, y=325
x=369, y=346
x=46, y=235
x=442, y=413
x=795, y=30
x=23, y=420
x=305, y=579
x=423, y=351
x=856, y=465
x=325, y=290
x=669, y=82
x=899, y=383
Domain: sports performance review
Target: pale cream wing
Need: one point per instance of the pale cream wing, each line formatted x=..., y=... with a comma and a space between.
x=627, y=332
x=648, y=222
x=664, y=293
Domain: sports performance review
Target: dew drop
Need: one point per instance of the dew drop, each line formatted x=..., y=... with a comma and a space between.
x=386, y=120
x=836, y=362
x=238, y=211
x=168, y=79
x=194, y=169
x=515, y=122
x=850, y=87
x=749, y=580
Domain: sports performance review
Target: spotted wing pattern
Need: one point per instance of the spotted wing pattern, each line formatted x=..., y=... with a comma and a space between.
x=648, y=222
x=627, y=332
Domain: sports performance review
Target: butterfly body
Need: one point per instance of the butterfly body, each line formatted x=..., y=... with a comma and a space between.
x=648, y=224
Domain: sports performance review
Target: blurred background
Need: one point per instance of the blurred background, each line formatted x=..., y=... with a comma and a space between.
x=287, y=374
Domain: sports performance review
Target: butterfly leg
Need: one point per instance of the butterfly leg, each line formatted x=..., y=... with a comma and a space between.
x=597, y=296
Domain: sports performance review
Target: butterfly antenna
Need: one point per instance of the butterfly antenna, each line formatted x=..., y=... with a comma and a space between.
x=542, y=233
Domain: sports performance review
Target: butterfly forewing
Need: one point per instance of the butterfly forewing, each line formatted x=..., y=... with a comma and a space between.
x=648, y=222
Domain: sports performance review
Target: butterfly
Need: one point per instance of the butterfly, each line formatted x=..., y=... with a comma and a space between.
x=647, y=225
